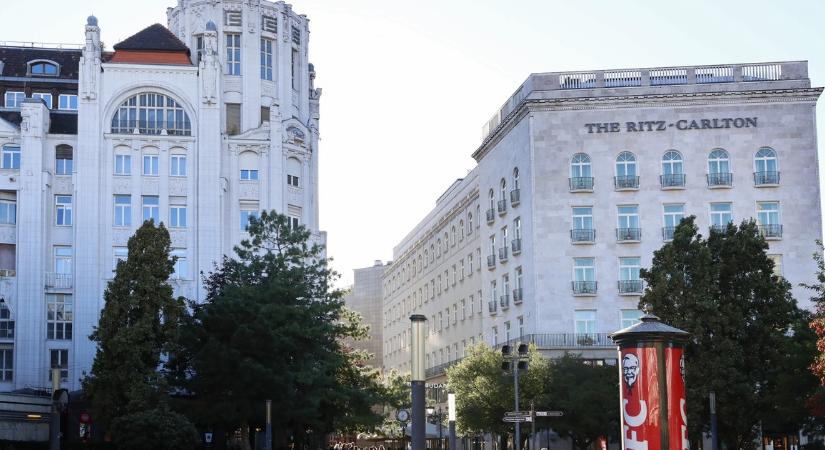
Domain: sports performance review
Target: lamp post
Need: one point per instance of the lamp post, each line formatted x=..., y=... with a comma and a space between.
x=451, y=411
x=417, y=376
x=516, y=362
x=437, y=417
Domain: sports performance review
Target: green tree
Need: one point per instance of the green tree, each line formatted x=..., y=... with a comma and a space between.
x=723, y=291
x=272, y=327
x=138, y=324
x=588, y=396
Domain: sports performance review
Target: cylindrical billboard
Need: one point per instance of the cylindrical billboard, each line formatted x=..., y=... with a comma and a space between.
x=676, y=412
x=640, y=400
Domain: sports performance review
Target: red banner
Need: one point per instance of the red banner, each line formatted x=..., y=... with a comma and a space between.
x=677, y=415
x=640, y=399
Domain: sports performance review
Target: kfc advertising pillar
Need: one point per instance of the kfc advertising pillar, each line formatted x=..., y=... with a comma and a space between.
x=652, y=385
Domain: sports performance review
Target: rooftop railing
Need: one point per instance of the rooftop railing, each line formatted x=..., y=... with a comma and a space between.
x=47, y=45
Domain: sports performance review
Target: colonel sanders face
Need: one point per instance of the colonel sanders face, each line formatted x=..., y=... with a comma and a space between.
x=630, y=369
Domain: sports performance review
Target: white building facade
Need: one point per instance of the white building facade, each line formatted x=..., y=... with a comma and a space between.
x=582, y=176
x=198, y=126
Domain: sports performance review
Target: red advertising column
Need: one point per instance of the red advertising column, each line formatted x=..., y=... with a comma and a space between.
x=652, y=388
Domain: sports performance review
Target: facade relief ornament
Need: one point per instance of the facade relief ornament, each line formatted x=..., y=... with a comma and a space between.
x=178, y=187
x=249, y=191
x=122, y=185
x=150, y=186
x=8, y=235
x=120, y=236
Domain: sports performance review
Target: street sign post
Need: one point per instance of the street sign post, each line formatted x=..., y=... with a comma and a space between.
x=513, y=419
x=516, y=413
x=549, y=413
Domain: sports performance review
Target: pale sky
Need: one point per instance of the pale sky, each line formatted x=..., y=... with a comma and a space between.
x=407, y=86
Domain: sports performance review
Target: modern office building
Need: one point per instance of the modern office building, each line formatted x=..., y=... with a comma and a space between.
x=582, y=176
x=365, y=298
x=199, y=125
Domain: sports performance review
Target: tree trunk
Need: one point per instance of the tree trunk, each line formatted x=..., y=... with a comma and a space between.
x=503, y=441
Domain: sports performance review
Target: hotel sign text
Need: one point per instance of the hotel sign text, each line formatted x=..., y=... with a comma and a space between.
x=662, y=125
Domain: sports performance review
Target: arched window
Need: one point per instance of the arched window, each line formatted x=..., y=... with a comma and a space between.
x=765, y=161
x=438, y=244
x=452, y=231
x=63, y=159
x=492, y=196
x=503, y=189
x=672, y=163
x=718, y=161
x=151, y=113
x=515, y=178
x=469, y=223
x=446, y=242
x=43, y=68
x=626, y=165
x=580, y=166
x=461, y=227
x=432, y=252
x=248, y=163
x=293, y=172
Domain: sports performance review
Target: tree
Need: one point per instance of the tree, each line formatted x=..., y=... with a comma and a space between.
x=587, y=394
x=272, y=327
x=138, y=324
x=723, y=291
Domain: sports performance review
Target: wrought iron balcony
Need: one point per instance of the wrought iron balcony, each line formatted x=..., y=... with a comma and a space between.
x=626, y=182
x=773, y=231
x=515, y=197
x=502, y=206
x=720, y=179
x=491, y=261
x=583, y=235
x=58, y=280
x=630, y=286
x=516, y=246
x=585, y=287
x=505, y=301
x=492, y=306
x=628, y=234
x=517, y=296
x=491, y=215
x=672, y=180
x=560, y=341
x=667, y=233
x=766, y=178
x=441, y=368
x=581, y=184
x=502, y=254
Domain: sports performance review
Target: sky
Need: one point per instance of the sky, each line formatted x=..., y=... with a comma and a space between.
x=408, y=85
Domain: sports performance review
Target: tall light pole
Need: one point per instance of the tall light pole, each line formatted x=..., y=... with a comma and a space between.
x=417, y=377
x=517, y=361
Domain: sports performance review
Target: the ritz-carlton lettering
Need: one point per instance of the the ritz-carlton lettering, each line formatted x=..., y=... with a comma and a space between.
x=663, y=125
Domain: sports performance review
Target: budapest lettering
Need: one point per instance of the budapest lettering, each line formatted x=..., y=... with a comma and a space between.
x=663, y=125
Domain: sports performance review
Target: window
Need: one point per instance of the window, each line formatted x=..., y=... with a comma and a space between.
x=249, y=166
x=580, y=166
x=177, y=212
x=767, y=216
x=63, y=260
x=464, y=309
x=151, y=208
x=177, y=165
x=630, y=317
x=469, y=223
x=8, y=211
x=461, y=273
x=293, y=170
x=248, y=211
x=294, y=221
x=266, y=59
x=720, y=216
x=59, y=315
x=766, y=170
x=59, y=359
x=673, y=215
x=181, y=268
x=6, y=363
x=151, y=113
x=199, y=47
x=63, y=155
x=470, y=263
x=515, y=179
x=719, y=173
x=626, y=165
x=628, y=225
x=777, y=265
x=6, y=324
x=14, y=99
x=502, y=192
x=233, y=54
x=672, y=163
x=67, y=102
x=504, y=237
x=453, y=236
x=233, y=118
x=295, y=62
x=629, y=269
x=265, y=110
x=495, y=336
x=47, y=98
x=123, y=164
x=123, y=210
x=454, y=279
x=520, y=326
x=505, y=285
x=120, y=254
x=584, y=271
x=585, y=322
x=63, y=212
x=507, y=331
x=150, y=164
x=11, y=157
x=43, y=69
x=583, y=224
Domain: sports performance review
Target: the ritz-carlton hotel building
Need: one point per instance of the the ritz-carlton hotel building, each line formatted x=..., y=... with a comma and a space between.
x=199, y=125
x=580, y=177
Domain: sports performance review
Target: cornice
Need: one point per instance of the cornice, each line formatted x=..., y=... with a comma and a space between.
x=643, y=101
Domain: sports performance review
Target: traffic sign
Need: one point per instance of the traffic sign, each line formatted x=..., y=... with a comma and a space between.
x=516, y=413
x=518, y=419
x=549, y=413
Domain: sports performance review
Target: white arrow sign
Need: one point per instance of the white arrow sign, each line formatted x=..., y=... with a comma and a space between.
x=549, y=413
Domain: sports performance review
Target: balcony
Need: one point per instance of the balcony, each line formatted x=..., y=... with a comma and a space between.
x=672, y=181
x=515, y=197
x=630, y=287
x=502, y=207
x=504, y=301
x=491, y=215
x=628, y=234
x=441, y=368
x=626, y=182
x=583, y=235
x=773, y=231
x=516, y=246
x=667, y=233
x=492, y=307
x=517, y=296
x=766, y=179
x=585, y=287
x=491, y=261
x=720, y=180
x=581, y=184
x=563, y=341
x=502, y=254
x=58, y=280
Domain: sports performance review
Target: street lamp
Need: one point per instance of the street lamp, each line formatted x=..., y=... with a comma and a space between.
x=516, y=362
x=437, y=417
x=417, y=376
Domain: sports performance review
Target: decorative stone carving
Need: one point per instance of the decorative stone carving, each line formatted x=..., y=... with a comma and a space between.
x=178, y=187
x=248, y=190
x=62, y=185
x=122, y=185
x=8, y=235
x=150, y=186
x=295, y=136
x=178, y=238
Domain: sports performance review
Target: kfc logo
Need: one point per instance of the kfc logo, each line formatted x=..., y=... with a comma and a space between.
x=630, y=370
